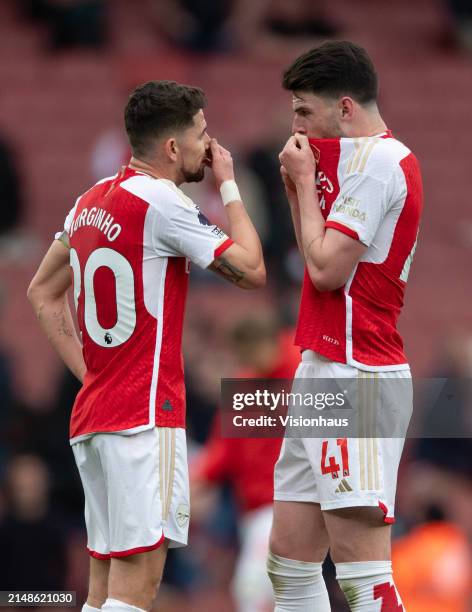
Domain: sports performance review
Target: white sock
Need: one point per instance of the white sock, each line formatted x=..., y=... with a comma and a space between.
x=298, y=585
x=368, y=586
x=120, y=606
x=87, y=608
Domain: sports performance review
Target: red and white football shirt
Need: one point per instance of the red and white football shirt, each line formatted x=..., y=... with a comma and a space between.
x=371, y=190
x=131, y=237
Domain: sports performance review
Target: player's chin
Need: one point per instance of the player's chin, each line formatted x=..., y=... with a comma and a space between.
x=195, y=177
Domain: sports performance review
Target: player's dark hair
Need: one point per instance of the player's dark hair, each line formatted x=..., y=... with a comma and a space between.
x=334, y=69
x=156, y=108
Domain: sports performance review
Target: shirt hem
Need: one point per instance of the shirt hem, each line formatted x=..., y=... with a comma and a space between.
x=359, y=365
x=121, y=432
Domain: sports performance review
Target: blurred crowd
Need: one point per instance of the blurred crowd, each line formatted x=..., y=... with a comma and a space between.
x=41, y=503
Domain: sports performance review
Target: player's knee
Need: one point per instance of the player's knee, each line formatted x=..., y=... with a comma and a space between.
x=312, y=549
x=276, y=544
x=281, y=544
x=98, y=593
x=297, y=585
x=358, y=534
x=149, y=588
x=98, y=583
x=282, y=570
x=155, y=583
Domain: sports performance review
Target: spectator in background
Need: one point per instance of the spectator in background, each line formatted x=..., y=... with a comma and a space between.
x=247, y=465
x=33, y=544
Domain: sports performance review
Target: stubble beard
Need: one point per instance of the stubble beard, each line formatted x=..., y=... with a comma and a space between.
x=193, y=177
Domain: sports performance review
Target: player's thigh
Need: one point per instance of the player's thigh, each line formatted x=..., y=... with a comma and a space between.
x=299, y=531
x=358, y=534
x=134, y=579
x=147, y=478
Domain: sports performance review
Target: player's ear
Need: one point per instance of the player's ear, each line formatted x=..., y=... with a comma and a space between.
x=346, y=108
x=171, y=148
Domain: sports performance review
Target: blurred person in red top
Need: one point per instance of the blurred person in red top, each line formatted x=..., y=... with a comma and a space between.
x=247, y=464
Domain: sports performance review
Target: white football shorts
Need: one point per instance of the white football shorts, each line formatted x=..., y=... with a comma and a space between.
x=347, y=472
x=136, y=491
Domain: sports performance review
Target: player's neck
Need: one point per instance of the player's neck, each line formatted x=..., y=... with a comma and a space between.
x=369, y=123
x=150, y=169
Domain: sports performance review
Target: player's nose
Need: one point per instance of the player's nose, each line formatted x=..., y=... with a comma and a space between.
x=297, y=127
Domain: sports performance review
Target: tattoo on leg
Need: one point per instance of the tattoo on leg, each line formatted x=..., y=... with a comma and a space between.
x=222, y=267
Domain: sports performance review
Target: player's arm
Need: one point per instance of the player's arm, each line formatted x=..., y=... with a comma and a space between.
x=330, y=255
x=242, y=263
x=48, y=296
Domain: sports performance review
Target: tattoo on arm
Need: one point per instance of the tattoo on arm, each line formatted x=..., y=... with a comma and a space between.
x=64, y=328
x=61, y=325
x=222, y=267
x=307, y=250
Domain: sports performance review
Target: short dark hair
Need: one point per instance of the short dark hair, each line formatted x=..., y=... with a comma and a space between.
x=158, y=107
x=334, y=69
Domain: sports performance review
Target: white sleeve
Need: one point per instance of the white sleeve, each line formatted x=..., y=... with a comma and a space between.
x=67, y=222
x=181, y=229
x=360, y=207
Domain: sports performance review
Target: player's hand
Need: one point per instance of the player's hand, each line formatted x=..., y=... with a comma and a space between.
x=297, y=158
x=221, y=163
x=290, y=187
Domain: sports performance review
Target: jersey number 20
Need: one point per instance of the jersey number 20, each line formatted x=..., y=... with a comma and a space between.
x=125, y=302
